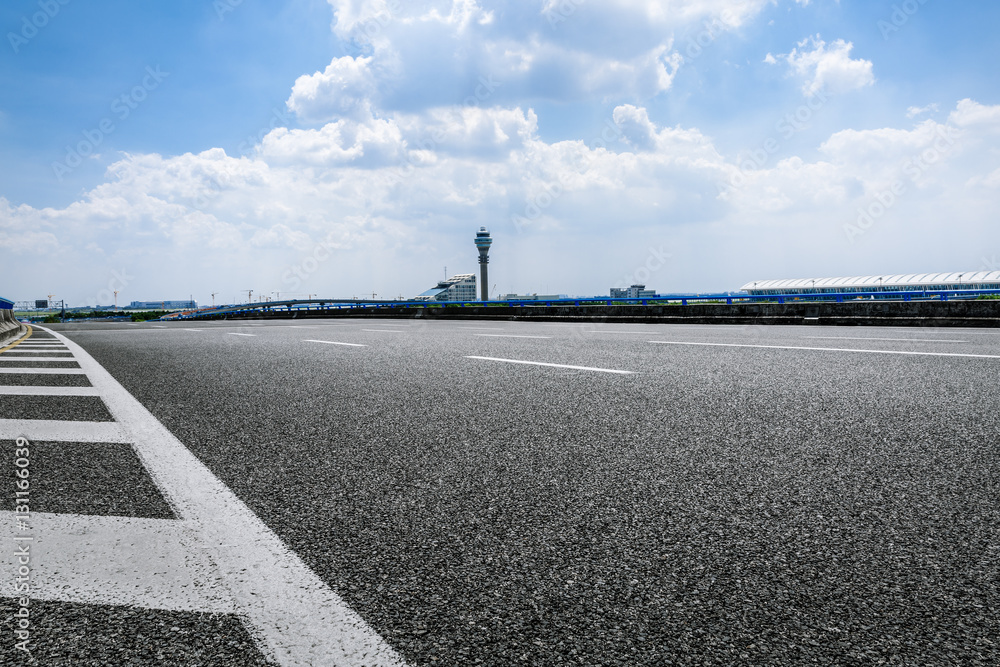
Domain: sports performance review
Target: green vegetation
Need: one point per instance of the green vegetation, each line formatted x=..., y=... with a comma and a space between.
x=988, y=297
x=148, y=315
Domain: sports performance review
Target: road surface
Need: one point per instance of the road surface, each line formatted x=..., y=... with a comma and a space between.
x=497, y=493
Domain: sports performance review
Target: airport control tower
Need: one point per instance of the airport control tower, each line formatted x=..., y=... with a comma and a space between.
x=483, y=242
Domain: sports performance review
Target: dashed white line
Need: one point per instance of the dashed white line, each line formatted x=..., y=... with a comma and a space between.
x=383, y=330
x=334, y=342
x=541, y=363
x=194, y=330
x=829, y=349
x=230, y=333
x=509, y=336
x=644, y=333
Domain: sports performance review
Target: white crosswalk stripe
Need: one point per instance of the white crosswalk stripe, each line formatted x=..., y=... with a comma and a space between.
x=217, y=557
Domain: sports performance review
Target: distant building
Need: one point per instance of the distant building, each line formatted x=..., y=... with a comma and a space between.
x=457, y=288
x=632, y=292
x=532, y=297
x=162, y=305
x=968, y=280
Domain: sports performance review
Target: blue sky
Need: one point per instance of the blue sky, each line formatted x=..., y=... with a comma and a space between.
x=354, y=146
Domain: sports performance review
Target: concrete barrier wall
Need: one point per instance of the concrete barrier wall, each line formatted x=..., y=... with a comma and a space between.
x=10, y=328
x=985, y=313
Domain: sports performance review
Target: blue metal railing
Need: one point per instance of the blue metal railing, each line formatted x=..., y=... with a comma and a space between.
x=280, y=307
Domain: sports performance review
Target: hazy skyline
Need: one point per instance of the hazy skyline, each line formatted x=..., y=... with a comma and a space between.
x=348, y=147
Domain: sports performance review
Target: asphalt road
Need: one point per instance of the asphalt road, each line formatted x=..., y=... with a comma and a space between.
x=729, y=499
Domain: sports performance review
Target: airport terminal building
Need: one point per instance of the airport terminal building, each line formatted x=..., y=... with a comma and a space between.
x=911, y=282
x=457, y=288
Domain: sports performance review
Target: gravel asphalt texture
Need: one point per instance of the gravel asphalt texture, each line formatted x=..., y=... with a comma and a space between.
x=721, y=506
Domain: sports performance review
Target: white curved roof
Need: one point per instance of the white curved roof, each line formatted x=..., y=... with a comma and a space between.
x=916, y=280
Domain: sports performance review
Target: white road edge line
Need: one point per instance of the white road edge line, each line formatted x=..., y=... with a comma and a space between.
x=830, y=349
x=509, y=336
x=293, y=615
x=542, y=363
x=333, y=342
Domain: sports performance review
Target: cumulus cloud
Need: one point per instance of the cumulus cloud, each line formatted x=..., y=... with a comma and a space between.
x=432, y=53
x=449, y=169
x=343, y=89
x=828, y=68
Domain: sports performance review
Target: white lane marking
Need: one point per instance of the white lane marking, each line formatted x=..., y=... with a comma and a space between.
x=333, y=342
x=194, y=330
x=645, y=333
x=158, y=326
x=44, y=371
x=32, y=355
x=34, y=342
x=105, y=560
x=540, y=363
x=299, y=326
x=830, y=349
x=239, y=334
x=509, y=336
x=292, y=612
x=62, y=431
x=904, y=340
x=26, y=358
x=33, y=390
x=383, y=330
x=482, y=328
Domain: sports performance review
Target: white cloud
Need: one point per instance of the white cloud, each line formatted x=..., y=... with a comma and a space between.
x=827, y=68
x=343, y=89
x=913, y=112
x=394, y=196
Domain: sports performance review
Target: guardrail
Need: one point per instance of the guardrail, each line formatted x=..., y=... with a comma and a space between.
x=314, y=305
x=10, y=328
